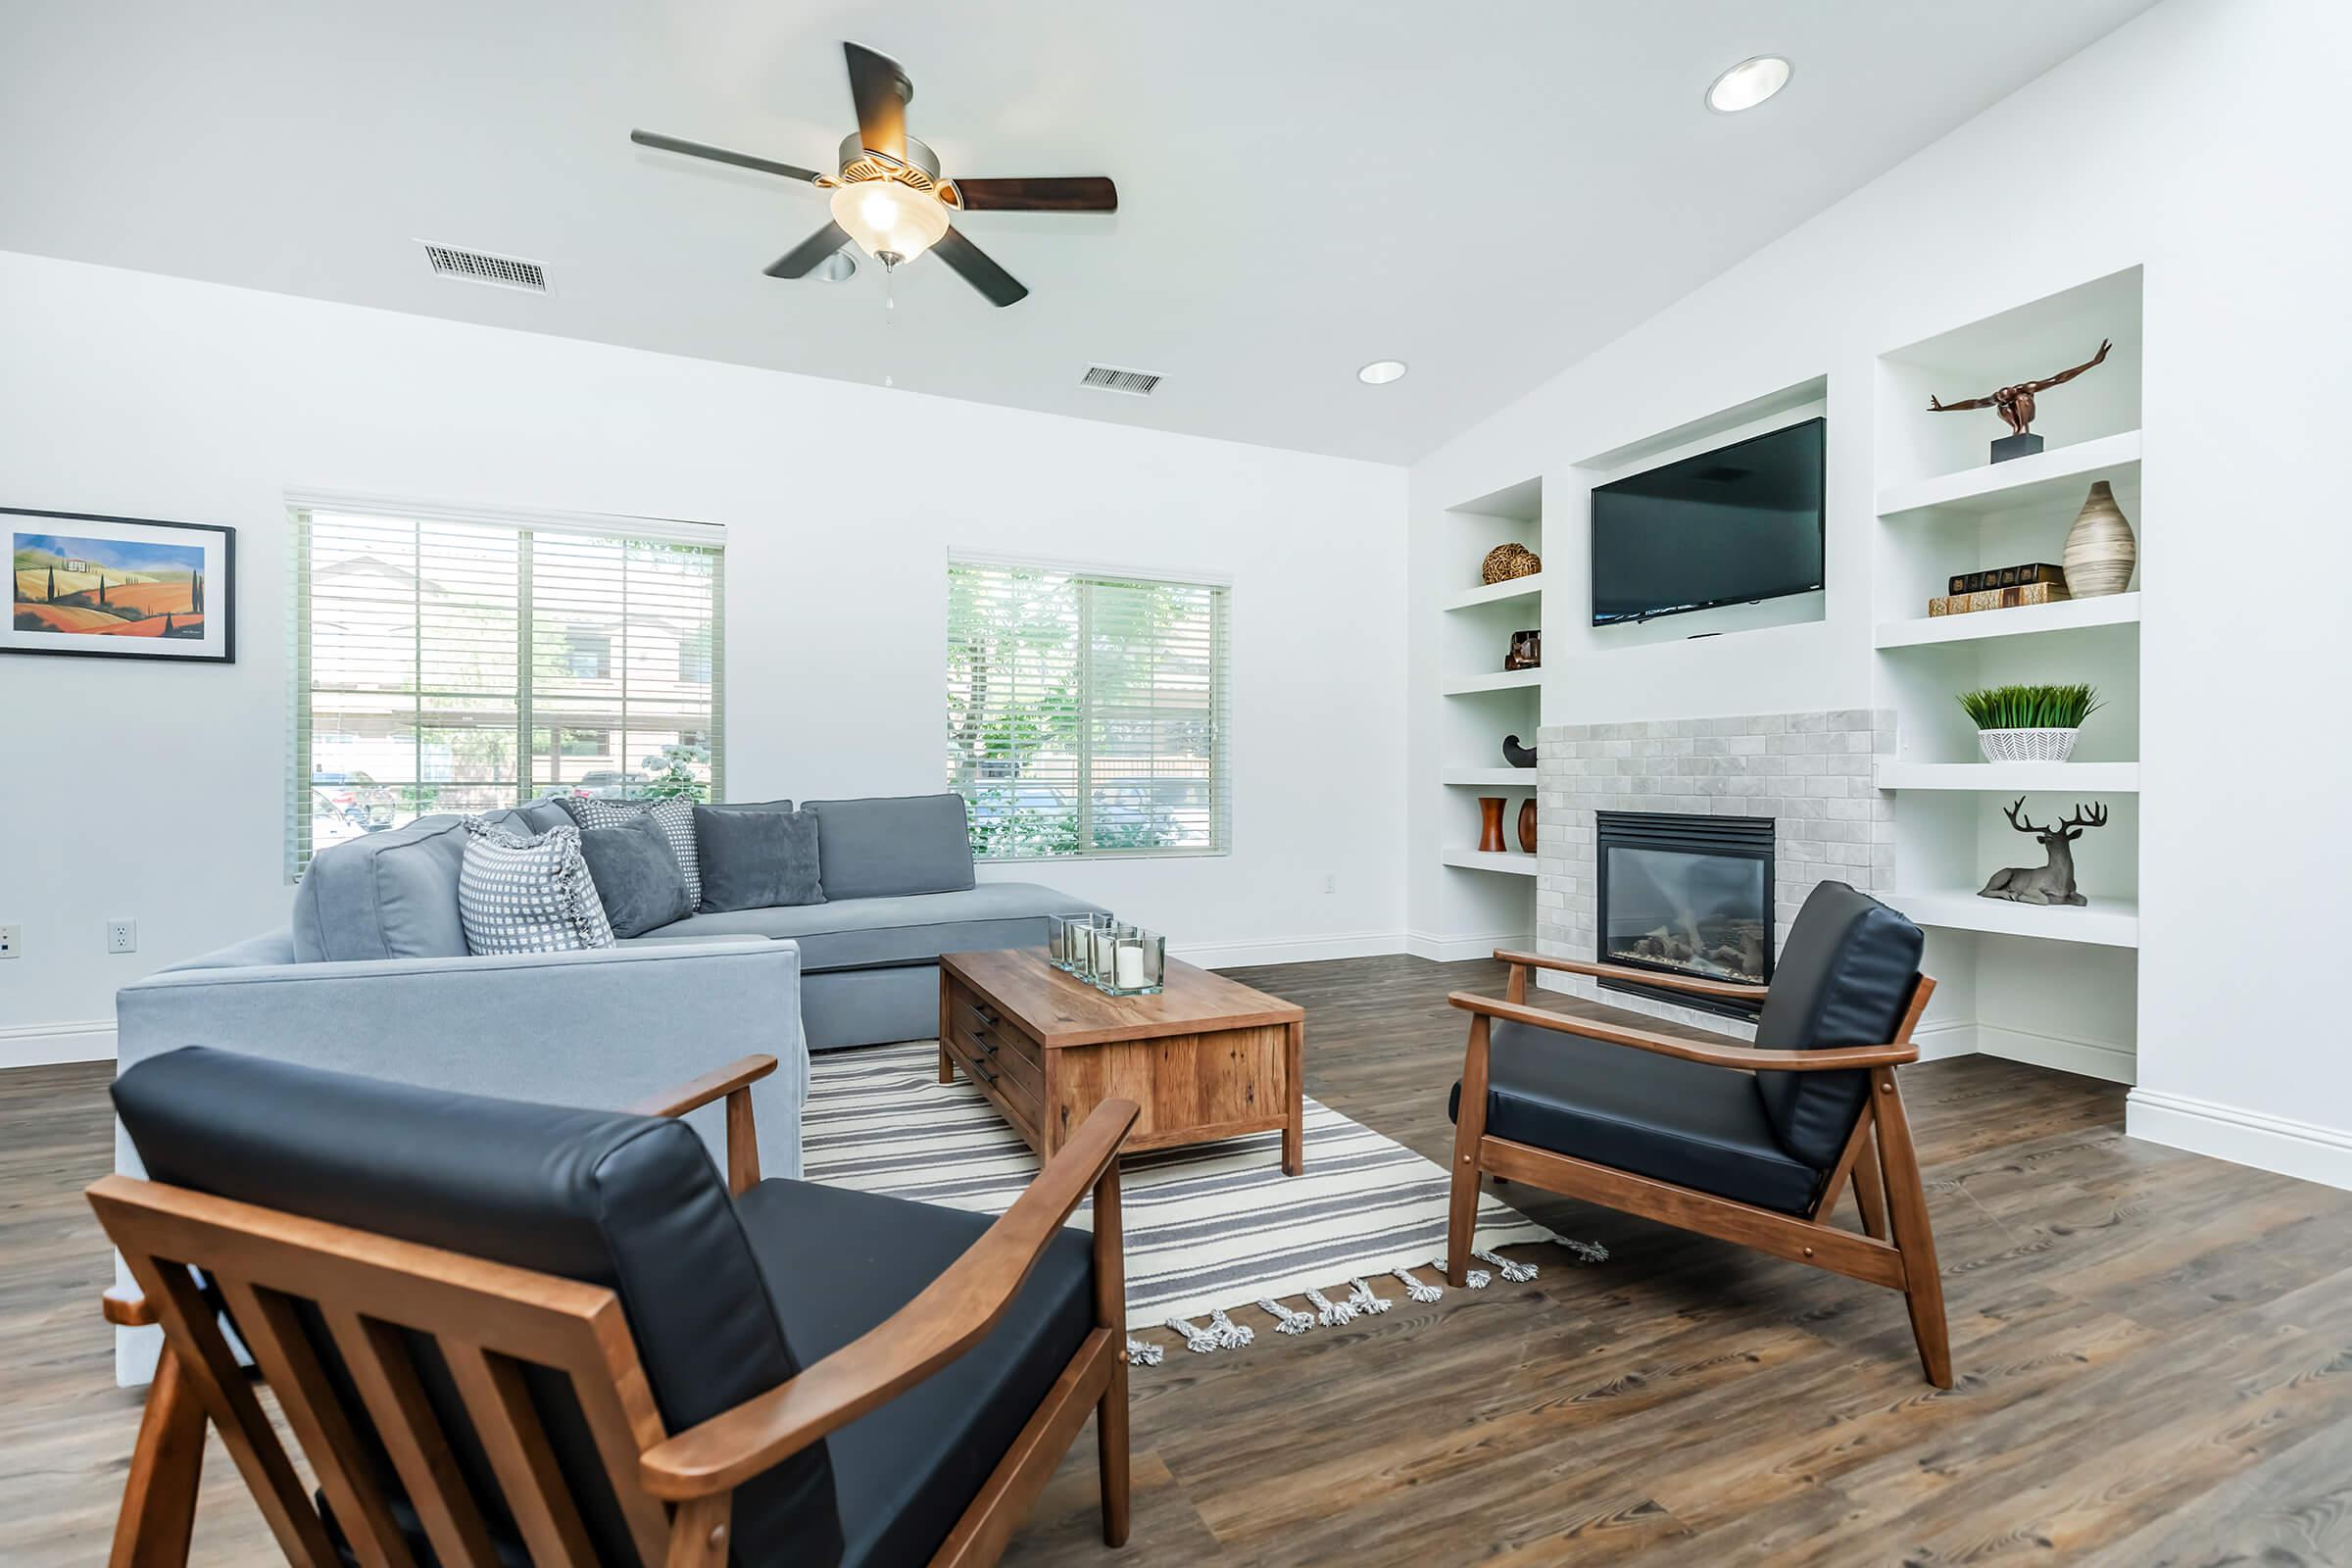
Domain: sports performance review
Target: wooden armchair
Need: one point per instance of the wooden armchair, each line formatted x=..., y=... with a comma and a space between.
x=1747, y=1146
x=502, y=1331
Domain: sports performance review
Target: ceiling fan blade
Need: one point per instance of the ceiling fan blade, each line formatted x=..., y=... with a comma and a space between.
x=979, y=269
x=1076, y=193
x=802, y=259
x=882, y=91
x=720, y=155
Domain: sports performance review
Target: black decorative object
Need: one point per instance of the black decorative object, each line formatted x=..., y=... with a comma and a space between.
x=93, y=586
x=1516, y=755
x=2053, y=883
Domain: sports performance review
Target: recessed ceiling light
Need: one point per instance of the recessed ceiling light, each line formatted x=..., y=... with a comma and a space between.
x=1380, y=373
x=1748, y=83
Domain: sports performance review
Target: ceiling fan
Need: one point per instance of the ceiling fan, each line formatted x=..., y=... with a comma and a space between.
x=889, y=196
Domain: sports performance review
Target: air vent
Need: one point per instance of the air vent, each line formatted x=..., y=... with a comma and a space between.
x=479, y=266
x=1135, y=383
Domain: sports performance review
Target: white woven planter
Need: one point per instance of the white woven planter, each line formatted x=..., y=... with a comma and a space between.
x=2027, y=745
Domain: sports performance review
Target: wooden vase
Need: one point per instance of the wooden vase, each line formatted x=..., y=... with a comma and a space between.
x=1527, y=824
x=2100, y=551
x=1490, y=823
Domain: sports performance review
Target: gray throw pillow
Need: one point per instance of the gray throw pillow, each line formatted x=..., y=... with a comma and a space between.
x=636, y=875
x=756, y=859
x=528, y=895
x=674, y=816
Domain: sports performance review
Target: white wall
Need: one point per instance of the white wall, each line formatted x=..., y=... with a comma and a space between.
x=2203, y=141
x=158, y=791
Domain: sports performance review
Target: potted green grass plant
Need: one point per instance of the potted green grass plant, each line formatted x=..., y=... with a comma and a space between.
x=2029, y=724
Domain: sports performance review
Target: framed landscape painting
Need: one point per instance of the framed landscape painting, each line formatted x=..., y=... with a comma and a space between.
x=120, y=587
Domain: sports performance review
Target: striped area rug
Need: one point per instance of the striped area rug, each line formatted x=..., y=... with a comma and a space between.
x=1212, y=1230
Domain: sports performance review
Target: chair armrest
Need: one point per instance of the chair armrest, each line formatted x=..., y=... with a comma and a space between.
x=734, y=1083
x=954, y=1314
x=1724, y=989
x=1826, y=1059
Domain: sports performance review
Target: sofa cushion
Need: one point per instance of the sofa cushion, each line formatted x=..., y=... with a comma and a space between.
x=394, y=894
x=1660, y=1116
x=754, y=857
x=637, y=875
x=861, y=933
x=629, y=1202
x=674, y=816
x=1844, y=979
x=836, y=1263
x=528, y=895
x=874, y=849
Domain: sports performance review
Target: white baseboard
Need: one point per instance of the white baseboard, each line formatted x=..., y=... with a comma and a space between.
x=1937, y=1041
x=42, y=1045
x=2091, y=1058
x=2298, y=1149
x=1291, y=950
x=1458, y=950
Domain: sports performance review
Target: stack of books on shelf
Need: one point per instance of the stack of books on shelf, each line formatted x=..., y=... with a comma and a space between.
x=2002, y=588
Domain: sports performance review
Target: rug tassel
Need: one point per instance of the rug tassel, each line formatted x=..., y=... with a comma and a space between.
x=1360, y=1296
x=1231, y=1336
x=1287, y=1321
x=1199, y=1341
x=1330, y=1313
x=1516, y=1273
x=1590, y=1252
x=1141, y=1352
x=1414, y=1287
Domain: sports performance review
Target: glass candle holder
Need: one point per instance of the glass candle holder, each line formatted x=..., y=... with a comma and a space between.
x=1066, y=942
x=1102, y=953
x=1139, y=963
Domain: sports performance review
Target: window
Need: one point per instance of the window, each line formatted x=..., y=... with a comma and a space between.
x=447, y=663
x=1086, y=711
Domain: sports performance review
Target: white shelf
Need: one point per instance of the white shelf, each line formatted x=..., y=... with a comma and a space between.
x=1505, y=680
x=2083, y=778
x=2019, y=482
x=1490, y=778
x=1505, y=862
x=2106, y=922
x=1496, y=592
x=2022, y=621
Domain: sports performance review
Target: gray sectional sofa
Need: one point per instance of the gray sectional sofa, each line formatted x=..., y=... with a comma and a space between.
x=373, y=976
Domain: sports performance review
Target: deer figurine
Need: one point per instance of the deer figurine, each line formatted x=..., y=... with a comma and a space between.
x=2053, y=883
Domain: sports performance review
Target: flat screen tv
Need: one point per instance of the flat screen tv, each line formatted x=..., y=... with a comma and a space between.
x=1731, y=527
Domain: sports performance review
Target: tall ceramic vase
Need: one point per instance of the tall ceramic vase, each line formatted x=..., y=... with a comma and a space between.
x=2100, y=551
x=1527, y=824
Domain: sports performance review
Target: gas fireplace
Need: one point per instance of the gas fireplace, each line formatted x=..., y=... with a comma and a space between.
x=1685, y=894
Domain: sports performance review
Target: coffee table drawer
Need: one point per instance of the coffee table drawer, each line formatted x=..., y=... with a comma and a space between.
x=988, y=1036
x=1022, y=1102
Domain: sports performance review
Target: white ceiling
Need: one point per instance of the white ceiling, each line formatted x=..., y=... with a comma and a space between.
x=1487, y=191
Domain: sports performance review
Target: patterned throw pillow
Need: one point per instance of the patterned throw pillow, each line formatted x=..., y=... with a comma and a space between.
x=675, y=818
x=528, y=895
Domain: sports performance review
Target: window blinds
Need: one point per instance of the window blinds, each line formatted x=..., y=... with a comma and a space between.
x=1087, y=710
x=461, y=665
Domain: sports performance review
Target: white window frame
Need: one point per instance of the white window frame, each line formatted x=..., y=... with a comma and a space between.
x=1220, y=711
x=301, y=502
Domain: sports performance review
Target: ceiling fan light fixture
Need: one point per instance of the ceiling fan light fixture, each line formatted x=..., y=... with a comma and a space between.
x=1748, y=83
x=890, y=221
x=1380, y=373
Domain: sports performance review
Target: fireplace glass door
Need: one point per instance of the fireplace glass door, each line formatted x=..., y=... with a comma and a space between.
x=1689, y=895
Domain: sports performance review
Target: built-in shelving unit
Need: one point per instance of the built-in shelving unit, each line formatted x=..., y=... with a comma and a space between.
x=1480, y=702
x=2019, y=971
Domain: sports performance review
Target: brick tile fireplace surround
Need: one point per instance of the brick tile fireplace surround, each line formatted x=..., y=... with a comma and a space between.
x=1810, y=773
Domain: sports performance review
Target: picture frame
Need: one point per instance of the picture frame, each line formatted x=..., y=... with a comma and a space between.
x=87, y=585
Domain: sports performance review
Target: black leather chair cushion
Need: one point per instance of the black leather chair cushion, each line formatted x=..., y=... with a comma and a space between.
x=1659, y=1116
x=836, y=1263
x=630, y=1202
x=1844, y=979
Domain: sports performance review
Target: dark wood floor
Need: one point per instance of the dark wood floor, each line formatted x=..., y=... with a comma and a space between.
x=2154, y=1351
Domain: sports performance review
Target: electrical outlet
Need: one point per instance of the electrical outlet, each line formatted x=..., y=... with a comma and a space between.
x=1331, y=881
x=122, y=936
x=11, y=940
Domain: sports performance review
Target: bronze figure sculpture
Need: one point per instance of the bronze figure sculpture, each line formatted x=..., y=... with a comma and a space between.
x=2015, y=406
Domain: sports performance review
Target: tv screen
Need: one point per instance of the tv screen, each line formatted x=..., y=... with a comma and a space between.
x=1742, y=523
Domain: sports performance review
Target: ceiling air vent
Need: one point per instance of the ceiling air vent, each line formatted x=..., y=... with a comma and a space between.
x=1135, y=383
x=479, y=266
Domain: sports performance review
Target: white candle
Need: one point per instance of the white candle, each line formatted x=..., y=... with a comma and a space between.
x=1131, y=968
x=1105, y=942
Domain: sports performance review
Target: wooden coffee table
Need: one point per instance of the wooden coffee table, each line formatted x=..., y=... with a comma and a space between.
x=1206, y=1058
